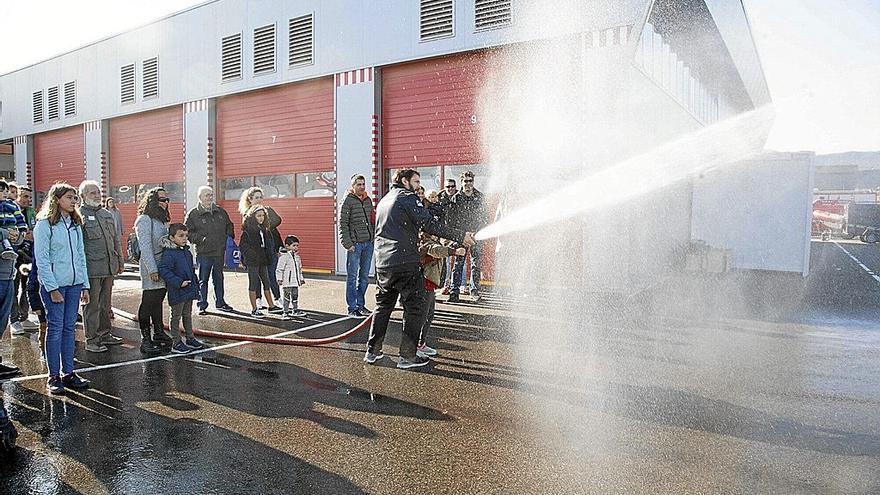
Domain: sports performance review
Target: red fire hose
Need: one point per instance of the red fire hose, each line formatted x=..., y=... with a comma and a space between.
x=267, y=340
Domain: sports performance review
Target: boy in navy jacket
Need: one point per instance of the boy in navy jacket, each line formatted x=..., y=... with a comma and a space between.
x=176, y=269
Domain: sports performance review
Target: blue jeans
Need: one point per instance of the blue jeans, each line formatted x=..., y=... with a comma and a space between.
x=357, y=267
x=7, y=294
x=61, y=334
x=458, y=274
x=207, y=265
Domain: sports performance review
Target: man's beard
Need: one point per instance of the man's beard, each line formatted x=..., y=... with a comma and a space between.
x=93, y=204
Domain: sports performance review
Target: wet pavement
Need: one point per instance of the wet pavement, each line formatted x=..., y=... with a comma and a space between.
x=519, y=401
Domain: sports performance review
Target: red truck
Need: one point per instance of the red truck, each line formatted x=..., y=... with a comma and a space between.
x=846, y=219
x=829, y=218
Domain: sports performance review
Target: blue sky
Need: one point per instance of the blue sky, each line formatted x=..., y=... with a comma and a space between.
x=821, y=58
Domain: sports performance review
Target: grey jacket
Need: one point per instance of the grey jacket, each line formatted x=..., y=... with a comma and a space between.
x=355, y=221
x=149, y=232
x=117, y=219
x=101, y=242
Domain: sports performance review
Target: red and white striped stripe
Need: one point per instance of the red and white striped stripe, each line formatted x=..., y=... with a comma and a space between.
x=618, y=35
x=375, y=158
x=195, y=106
x=357, y=76
x=210, y=171
x=104, y=178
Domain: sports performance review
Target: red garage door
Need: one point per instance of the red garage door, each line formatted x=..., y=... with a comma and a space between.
x=281, y=139
x=59, y=156
x=429, y=121
x=146, y=150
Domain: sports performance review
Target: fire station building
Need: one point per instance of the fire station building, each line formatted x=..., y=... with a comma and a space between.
x=295, y=96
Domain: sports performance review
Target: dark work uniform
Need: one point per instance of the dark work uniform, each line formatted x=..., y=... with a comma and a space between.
x=399, y=218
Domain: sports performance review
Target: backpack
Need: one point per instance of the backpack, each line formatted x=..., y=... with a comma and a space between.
x=134, y=248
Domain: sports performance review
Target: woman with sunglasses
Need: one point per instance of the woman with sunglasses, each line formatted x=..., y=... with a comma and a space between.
x=150, y=226
x=64, y=282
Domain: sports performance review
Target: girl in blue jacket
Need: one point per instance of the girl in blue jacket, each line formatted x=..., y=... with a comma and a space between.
x=61, y=266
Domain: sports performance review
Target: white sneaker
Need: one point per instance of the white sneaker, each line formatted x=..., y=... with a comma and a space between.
x=425, y=351
x=30, y=325
x=17, y=329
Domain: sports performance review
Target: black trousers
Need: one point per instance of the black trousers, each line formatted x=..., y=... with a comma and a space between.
x=150, y=310
x=20, y=308
x=407, y=283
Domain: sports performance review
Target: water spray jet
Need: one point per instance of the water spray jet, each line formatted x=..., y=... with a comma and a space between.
x=715, y=146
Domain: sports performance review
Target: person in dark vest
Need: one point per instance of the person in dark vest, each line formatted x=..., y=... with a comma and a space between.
x=356, y=231
x=104, y=261
x=400, y=217
x=209, y=228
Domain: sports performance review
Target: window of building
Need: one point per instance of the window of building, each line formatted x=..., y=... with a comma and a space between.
x=481, y=174
x=276, y=186
x=315, y=184
x=123, y=194
x=430, y=177
x=176, y=191
x=143, y=188
x=232, y=187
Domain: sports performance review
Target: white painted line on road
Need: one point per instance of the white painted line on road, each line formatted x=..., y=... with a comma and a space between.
x=870, y=272
x=174, y=356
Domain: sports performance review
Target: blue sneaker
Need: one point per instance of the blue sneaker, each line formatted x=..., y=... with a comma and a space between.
x=195, y=343
x=180, y=348
x=74, y=381
x=55, y=385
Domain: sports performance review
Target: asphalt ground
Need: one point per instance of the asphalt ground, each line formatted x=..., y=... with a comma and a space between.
x=526, y=397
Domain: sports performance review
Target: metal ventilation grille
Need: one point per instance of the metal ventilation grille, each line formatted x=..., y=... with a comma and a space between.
x=301, y=40
x=126, y=83
x=435, y=19
x=151, y=78
x=490, y=14
x=69, y=98
x=264, y=49
x=52, y=102
x=38, y=107
x=231, y=57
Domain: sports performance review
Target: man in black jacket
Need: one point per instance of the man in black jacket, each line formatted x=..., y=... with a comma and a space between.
x=399, y=218
x=467, y=212
x=209, y=226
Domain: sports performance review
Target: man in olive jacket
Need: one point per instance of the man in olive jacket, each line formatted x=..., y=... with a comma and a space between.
x=356, y=231
x=103, y=261
x=209, y=227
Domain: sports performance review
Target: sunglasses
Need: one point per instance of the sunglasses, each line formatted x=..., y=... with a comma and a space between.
x=467, y=181
x=450, y=187
x=164, y=200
